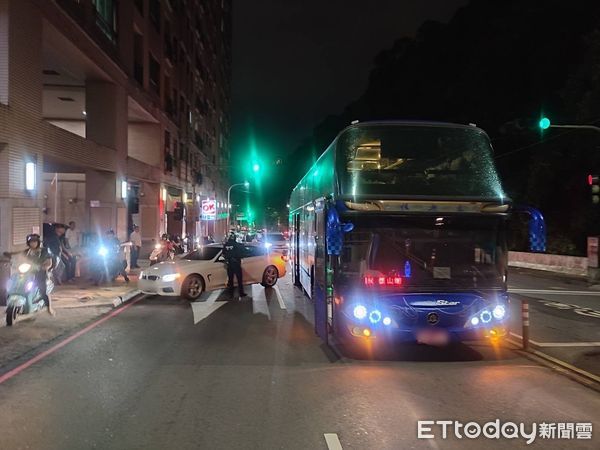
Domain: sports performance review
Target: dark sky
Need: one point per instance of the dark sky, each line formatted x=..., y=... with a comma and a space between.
x=296, y=61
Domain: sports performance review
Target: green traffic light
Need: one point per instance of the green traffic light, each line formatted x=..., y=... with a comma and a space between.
x=255, y=167
x=544, y=123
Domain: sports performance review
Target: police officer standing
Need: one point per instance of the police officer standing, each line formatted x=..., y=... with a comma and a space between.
x=232, y=252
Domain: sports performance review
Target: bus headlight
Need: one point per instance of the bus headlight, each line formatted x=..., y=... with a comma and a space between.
x=360, y=312
x=499, y=312
x=24, y=268
x=375, y=316
x=485, y=316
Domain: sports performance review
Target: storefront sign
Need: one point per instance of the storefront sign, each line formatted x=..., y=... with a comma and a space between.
x=209, y=209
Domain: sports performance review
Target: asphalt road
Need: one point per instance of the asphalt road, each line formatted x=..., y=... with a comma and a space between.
x=564, y=316
x=250, y=374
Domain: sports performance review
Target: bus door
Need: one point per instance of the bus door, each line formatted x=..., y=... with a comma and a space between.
x=296, y=254
x=320, y=283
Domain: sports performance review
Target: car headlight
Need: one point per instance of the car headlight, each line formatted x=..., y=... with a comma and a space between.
x=157, y=246
x=24, y=268
x=103, y=251
x=268, y=245
x=171, y=277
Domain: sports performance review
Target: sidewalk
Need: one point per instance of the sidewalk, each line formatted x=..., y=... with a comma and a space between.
x=81, y=294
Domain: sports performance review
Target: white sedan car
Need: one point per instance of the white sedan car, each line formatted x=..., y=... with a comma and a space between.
x=205, y=270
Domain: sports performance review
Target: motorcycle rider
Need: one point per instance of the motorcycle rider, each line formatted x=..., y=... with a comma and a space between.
x=42, y=260
x=232, y=252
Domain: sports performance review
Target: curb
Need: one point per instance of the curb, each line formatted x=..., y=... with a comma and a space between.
x=118, y=301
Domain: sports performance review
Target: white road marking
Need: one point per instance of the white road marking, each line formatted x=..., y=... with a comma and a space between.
x=333, y=442
x=259, y=301
x=201, y=310
x=279, y=297
x=559, y=344
x=553, y=292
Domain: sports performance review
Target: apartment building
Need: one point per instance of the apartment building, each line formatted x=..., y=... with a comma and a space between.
x=114, y=113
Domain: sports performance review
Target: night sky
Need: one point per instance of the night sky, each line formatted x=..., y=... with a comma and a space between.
x=296, y=61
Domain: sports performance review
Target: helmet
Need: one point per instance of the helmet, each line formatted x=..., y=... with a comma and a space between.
x=33, y=237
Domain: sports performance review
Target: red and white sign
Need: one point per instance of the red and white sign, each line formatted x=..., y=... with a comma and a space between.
x=209, y=209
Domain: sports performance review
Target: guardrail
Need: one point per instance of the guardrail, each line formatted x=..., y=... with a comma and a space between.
x=574, y=265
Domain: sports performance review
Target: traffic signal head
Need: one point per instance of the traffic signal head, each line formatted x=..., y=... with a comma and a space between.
x=544, y=123
x=255, y=167
x=594, y=184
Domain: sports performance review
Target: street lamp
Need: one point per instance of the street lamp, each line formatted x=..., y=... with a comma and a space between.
x=246, y=185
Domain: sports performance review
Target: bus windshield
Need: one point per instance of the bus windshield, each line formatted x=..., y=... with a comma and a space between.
x=432, y=253
x=417, y=160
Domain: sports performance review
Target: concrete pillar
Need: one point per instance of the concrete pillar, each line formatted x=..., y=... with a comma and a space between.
x=106, y=124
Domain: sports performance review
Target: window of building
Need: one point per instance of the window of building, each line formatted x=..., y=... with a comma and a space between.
x=106, y=17
x=154, y=75
x=154, y=12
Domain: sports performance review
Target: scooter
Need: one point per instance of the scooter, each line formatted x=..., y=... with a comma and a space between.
x=24, y=296
x=107, y=266
x=161, y=252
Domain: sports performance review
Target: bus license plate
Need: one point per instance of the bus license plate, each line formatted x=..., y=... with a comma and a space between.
x=432, y=337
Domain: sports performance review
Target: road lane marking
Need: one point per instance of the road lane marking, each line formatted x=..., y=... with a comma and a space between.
x=558, y=344
x=333, y=442
x=259, y=301
x=279, y=298
x=553, y=292
x=201, y=310
x=11, y=373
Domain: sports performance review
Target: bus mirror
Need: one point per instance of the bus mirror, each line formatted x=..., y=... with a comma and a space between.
x=536, y=228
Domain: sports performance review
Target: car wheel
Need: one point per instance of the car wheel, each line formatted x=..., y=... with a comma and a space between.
x=270, y=276
x=193, y=287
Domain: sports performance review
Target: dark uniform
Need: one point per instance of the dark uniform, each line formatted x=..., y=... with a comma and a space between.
x=232, y=252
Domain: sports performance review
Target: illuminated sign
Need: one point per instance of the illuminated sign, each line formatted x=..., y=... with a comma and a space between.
x=209, y=209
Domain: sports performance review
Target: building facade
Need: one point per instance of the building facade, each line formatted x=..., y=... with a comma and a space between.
x=114, y=113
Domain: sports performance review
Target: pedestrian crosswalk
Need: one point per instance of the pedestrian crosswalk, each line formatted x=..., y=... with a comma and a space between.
x=261, y=302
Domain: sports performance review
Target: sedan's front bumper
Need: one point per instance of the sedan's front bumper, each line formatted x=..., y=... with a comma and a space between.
x=160, y=287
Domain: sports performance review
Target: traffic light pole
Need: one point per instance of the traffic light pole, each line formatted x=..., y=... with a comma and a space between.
x=577, y=127
x=229, y=202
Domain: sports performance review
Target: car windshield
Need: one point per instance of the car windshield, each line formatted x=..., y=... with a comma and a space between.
x=428, y=252
x=417, y=160
x=203, y=254
x=271, y=237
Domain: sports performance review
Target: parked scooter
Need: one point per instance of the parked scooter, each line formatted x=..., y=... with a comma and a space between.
x=23, y=295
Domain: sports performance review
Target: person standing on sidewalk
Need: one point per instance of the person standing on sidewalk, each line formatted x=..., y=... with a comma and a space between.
x=71, y=243
x=136, y=245
x=232, y=252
